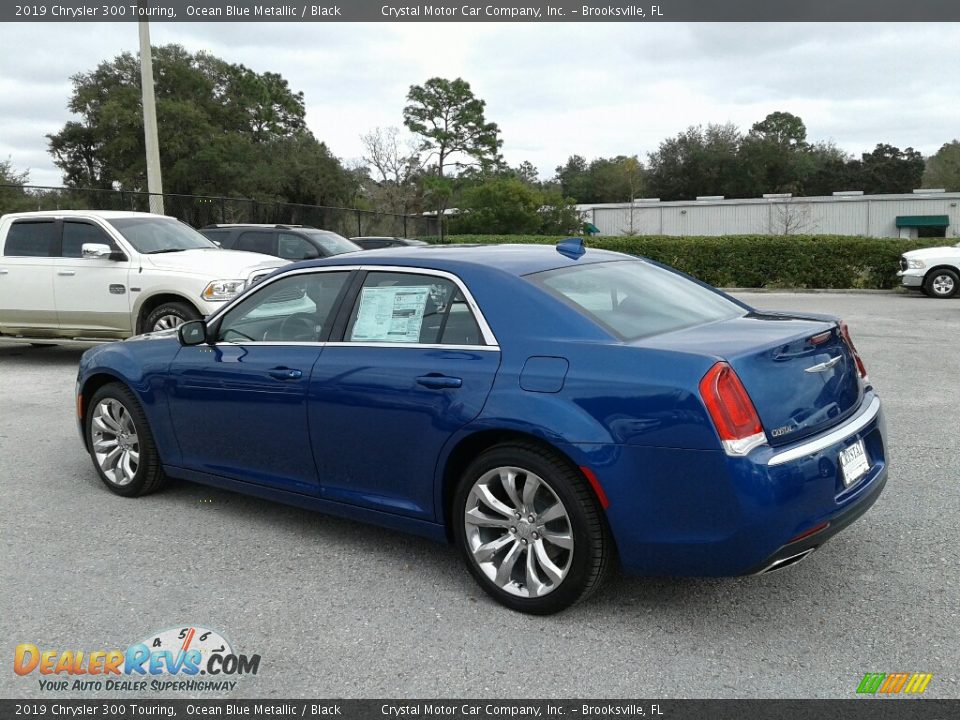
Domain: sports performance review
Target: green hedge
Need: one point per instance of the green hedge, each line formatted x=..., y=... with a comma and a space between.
x=758, y=261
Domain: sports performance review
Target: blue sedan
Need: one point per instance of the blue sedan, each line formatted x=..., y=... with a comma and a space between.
x=554, y=411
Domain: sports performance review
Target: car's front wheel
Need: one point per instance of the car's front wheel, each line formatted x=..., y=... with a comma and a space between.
x=530, y=529
x=121, y=444
x=942, y=283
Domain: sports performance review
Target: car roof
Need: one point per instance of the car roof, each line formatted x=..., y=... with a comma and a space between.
x=104, y=214
x=510, y=259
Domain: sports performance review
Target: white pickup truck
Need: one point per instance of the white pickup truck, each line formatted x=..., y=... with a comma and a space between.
x=102, y=275
x=935, y=271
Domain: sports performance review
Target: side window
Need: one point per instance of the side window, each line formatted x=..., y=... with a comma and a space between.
x=75, y=234
x=296, y=308
x=257, y=241
x=461, y=326
x=31, y=239
x=294, y=247
x=408, y=308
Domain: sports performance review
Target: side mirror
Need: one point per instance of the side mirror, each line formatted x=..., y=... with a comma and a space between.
x=192, y=332
x=96, y=251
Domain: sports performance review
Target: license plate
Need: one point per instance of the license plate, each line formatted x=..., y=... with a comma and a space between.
x=854, y=463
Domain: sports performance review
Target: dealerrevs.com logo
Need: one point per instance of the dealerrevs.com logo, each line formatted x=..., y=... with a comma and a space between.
x=188, y=659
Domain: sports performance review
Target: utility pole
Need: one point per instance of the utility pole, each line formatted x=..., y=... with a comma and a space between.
x=154, y=181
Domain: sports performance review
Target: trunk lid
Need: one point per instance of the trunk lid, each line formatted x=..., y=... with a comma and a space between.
x=798, y=370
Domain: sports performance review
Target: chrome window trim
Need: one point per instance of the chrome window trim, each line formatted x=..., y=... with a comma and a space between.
x=485, y=330
x=421, y=346
x=851, y=427
x=412, y=346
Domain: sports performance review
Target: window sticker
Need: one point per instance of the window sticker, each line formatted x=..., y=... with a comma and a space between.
x=390, y=314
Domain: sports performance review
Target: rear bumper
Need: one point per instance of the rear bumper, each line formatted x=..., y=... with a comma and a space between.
x=702, y=513
x=799, y=549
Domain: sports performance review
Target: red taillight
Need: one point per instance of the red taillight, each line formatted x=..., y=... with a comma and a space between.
x=731, y=410
x=845, y=334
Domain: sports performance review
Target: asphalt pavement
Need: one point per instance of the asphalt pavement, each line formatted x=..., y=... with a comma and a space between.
x=339, y=609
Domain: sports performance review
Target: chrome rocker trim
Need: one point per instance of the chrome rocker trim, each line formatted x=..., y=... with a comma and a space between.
x=852, y=427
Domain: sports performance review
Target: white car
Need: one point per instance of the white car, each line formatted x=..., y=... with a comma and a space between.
x=102, y=275
x=934, y=270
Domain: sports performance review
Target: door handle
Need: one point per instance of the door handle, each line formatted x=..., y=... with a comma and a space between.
x=3, y=272
x=66, y=273
x=285, y=373
x=435, y=381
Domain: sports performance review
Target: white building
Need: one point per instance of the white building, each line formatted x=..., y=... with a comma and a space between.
x=922, y=213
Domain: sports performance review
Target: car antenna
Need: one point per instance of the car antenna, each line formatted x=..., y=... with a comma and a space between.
x=571, y=247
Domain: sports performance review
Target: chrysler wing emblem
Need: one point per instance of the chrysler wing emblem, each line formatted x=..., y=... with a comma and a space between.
x=824, y=366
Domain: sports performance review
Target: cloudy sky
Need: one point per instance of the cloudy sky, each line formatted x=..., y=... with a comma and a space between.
x=554, y=89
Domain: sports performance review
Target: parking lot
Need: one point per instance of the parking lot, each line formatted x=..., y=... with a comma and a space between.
x=338, y=609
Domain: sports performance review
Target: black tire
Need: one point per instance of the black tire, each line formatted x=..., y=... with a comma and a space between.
x=941, y=283
x=149, y=475
x=592, y=554
x=181, y=312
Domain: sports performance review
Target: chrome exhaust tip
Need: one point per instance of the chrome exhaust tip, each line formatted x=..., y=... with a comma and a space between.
x=786, y=562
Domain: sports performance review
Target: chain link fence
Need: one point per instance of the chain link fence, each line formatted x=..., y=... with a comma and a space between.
x=202, y=210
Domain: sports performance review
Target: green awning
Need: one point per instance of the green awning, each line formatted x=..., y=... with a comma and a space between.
x=918, y=221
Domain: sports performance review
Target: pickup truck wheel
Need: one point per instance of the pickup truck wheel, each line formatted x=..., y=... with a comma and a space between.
x=169, y=315
x=942, y=283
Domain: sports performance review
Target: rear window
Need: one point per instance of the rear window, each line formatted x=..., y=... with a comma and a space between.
x=31, y=239
x=634, y=299
x=331, y=242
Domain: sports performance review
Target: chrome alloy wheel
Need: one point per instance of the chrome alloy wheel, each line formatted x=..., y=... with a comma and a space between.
x=943, y=284
x=518, y=531
x=166, y=322
x=116, y=445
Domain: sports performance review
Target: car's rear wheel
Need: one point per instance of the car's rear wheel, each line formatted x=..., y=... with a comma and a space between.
x=169, y=315
x=530, y=529
x=121, y=444
x=942, y=283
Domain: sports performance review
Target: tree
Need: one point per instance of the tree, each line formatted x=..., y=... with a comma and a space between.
x=528, y=173
x=781, y=128
x=603, y=180
x=888, y=169
x=828, y=170
x=13, y=196
x=574, y=179
x=394, y=170
x=507, y=205
x=454, y=133
x=790, y=218
x=773, y=156
x=224, y=129
x=698, y=161
x=943, y=168
x=450, y=121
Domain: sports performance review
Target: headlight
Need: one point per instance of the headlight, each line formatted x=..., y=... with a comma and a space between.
x=220, y=290
x=915, y=264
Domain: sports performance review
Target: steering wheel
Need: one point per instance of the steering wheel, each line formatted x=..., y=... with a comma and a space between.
x=299, y=327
